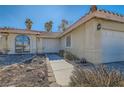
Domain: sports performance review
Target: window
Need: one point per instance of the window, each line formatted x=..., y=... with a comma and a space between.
x=22, y=44
x=68, y=41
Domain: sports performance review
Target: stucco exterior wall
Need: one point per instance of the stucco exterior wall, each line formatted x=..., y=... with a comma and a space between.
x=3, y=43
x=33, y=48
x=77, y=41
x=111, y=25
x=50, y=45
x=39, y=45
x=85, y=42
x=0, y=43
x=97, y=46
x=11, y=43
x=92, y=44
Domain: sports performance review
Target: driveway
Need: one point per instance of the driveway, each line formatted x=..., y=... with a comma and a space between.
x=61, y=69
x=116, y=65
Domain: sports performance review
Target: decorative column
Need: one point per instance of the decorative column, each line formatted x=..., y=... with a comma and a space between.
x=1, y=43
x=5, y=43
x=37, y=44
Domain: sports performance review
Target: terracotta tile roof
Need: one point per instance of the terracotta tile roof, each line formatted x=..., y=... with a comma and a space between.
x=95, y=13
x=103, y=14
x=31, y=32
x=110, y=12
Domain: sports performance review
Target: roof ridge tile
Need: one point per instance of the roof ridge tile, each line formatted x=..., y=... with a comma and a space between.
x=111, y=12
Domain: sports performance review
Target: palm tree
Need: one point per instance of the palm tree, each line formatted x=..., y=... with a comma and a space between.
x=48, y=26
x=64, y=24
x=28, y=24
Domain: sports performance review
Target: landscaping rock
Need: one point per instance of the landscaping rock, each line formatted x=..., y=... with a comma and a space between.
x=29, y=74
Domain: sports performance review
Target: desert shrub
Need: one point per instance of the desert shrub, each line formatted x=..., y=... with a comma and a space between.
x=70, y=56
x=97, y=76
x=83, y=60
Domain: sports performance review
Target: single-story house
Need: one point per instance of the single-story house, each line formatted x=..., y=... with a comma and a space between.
x=98, y=36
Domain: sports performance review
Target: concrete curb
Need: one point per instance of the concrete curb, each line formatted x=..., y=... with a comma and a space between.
x=51, y=76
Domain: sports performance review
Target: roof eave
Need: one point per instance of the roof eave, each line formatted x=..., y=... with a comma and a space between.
x=96, y=14
x=78, y=23
x=40, y=34
x=108, y=16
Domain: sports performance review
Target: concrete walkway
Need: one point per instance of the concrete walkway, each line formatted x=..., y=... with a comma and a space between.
x=61, y=69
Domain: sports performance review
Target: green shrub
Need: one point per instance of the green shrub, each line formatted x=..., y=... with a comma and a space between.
x=97, y=76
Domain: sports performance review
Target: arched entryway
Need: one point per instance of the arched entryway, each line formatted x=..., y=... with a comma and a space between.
x=22, y=44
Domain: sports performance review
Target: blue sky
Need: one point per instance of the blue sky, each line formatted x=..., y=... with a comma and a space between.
x=14, y=16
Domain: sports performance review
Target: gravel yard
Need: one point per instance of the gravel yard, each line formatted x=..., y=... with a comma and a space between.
x=29, y=74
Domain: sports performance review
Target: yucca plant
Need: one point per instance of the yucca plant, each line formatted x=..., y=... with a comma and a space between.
x=97, y=76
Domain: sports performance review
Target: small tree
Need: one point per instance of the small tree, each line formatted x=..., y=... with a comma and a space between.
x=28, y=24
x=48, y=26
x=64, y=24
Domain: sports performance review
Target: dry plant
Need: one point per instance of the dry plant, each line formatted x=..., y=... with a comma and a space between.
x=97, y=76
x=70, y=56
x=61, y=53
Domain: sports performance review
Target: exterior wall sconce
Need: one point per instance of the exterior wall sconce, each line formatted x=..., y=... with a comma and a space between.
x=98, y=26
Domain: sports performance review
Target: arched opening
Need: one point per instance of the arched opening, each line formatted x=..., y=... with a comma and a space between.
x=22, y=44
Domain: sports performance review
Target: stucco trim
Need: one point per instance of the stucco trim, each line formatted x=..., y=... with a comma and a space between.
x=106, y=28
x=38, y=34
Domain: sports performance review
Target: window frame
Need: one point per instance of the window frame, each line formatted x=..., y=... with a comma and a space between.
x=70, y=41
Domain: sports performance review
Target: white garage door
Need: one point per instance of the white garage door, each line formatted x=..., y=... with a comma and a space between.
x=112, y=46
x=50, y=45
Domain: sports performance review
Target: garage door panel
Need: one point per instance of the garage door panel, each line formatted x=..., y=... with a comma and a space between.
x=112, y=46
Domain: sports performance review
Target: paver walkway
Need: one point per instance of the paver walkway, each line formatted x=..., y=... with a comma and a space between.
x=62, y=69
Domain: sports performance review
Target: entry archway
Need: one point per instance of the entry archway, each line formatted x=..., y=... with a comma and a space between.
x=22, y=44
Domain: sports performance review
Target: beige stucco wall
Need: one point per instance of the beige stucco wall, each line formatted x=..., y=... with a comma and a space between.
x=77, y=41
x=111, y=25
x=3, y=42
x=37, y=44
x=85, y=42
x=91, y=43
x=33, y=45
x=50, y=45
x=11, y=43
x=0, y=43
